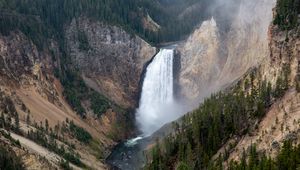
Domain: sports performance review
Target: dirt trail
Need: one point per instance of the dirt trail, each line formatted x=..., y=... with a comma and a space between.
x=43, y=152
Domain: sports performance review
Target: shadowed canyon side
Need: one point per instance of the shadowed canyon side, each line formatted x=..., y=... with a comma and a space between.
x=214, y=56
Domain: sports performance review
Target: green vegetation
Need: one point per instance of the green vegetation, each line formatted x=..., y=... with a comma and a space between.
x=201, y=133
x=65, y=165
x=83, y=41
x=45, y=136
x=282, y=81
x=50, y=143
x=79, y=133
x=288, y=158
x=30, y=25
x=129, y=14
x=97, y=149
x=48, y=138
x=182, y=166
x=9, y=118
x=42, y=20
x=287, y=12
x=9, y=160
x=12, y=140
x=76, y=91
x=99, y=104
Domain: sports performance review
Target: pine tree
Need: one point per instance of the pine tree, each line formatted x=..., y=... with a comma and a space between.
x=190, y=157
x=253, y=160
x=47, y=125
x=17, y=122
x=243, y=160
x=2, y=120
x=28, y=119
x=182, y=166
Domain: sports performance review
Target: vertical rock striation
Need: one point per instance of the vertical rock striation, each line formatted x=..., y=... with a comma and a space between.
x=215, y=56
x=109, y=59
x=200, y=63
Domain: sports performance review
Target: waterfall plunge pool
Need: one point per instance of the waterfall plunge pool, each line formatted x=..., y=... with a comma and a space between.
x=157, y=107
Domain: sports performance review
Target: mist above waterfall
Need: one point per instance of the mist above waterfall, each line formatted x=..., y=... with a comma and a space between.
x=215, y=55
x=224, y=47
x=157, y=103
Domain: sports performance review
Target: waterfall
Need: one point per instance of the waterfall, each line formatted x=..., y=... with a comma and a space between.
x=157, y=99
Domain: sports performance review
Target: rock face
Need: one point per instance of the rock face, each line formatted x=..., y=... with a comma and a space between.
x=247, y=41
x=199, y=59
x=281, y=121
x=110, y=60
x=29, y=86
x=22, y=65
x=18, y=57
x=214, y=57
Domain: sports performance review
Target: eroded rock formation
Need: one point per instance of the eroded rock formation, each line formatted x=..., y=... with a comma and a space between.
x=215, y=56
x=111, y=61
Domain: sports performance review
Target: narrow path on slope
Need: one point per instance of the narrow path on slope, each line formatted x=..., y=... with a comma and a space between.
x=43, y=152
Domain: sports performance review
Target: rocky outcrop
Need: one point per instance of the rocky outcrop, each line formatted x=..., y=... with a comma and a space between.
x=199, y=59
x=214, y=56
x=19, y=57
x=29, y=89
x=110, y=60
x=281, y=122
x=247, y=41
x=23, y=65
x=284, y=50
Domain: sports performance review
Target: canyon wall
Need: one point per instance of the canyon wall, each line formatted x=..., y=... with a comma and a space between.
x=281, y=122
x=111, y=61
x=23, y=65
x=200, y=63
x=215, y=55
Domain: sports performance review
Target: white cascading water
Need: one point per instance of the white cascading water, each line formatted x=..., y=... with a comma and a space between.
x=157, y=100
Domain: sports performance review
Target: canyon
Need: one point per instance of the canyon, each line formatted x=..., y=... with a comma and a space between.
x=95, y=85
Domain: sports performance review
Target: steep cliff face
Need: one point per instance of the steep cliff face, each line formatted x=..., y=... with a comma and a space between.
x=200, y=62
x=22, y=65
x=261, y=107
x=30, y=93
x=110, y=60
x=221, y=56
x=282, y=120
x=247, y=41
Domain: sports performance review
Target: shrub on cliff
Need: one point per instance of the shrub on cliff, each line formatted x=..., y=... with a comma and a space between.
x=287, y=12
x=9, y=160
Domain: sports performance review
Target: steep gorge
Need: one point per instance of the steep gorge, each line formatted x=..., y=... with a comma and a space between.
x=109, y=60
x=254, y=119
x=214, y=56
x=281, y=122
x=112, y=65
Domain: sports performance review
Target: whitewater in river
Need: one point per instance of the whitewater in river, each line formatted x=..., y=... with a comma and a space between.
x=157, y=107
